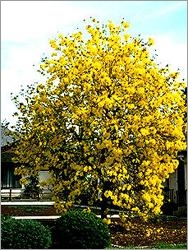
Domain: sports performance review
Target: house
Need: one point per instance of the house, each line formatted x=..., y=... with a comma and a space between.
x=176, y=188
x=10, y=185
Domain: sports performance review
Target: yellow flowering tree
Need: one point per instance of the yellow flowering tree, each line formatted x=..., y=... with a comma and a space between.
x=107, y=119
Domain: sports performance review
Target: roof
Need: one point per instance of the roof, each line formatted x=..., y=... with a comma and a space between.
x=7, y=137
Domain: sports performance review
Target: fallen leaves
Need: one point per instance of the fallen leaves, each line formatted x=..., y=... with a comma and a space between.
x=148, y=233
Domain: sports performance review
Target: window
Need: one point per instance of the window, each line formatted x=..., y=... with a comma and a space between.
x=8, y=179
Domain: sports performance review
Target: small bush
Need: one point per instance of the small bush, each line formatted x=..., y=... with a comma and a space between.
x=79, y=229
x=32, y=190
x=24, y=234
x=4, y=218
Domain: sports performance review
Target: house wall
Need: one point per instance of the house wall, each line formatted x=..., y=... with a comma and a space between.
x=185, y=171
x=43, y=175
x=178, y=182
x=173, y=186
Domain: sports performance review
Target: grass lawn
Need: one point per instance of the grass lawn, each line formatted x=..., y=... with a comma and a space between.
x=160, y=245
x=171, y=246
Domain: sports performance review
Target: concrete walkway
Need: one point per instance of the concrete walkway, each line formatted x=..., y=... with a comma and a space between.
x=17, y=203
x=53, y=217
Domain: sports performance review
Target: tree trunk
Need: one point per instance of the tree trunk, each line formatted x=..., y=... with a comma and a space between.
x=104, y=206
x=104, y=202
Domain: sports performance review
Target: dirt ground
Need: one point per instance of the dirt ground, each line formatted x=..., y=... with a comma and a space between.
x=138, y=233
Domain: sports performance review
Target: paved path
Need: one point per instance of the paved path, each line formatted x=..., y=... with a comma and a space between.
x=48, y=217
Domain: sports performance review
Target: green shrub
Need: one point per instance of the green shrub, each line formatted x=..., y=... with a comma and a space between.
x=32, y=189
x=79, y=229
x=24, y=234
x=4, y=218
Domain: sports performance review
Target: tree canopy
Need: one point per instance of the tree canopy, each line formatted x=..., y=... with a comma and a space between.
x=108, y=119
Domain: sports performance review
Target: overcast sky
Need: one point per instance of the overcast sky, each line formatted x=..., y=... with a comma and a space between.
x=27, y=27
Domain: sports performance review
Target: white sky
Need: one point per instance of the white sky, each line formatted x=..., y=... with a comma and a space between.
x=27, y=27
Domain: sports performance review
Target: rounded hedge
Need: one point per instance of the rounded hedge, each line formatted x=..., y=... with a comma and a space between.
x=4, y=218
x=24, y=234
x=79, y=229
